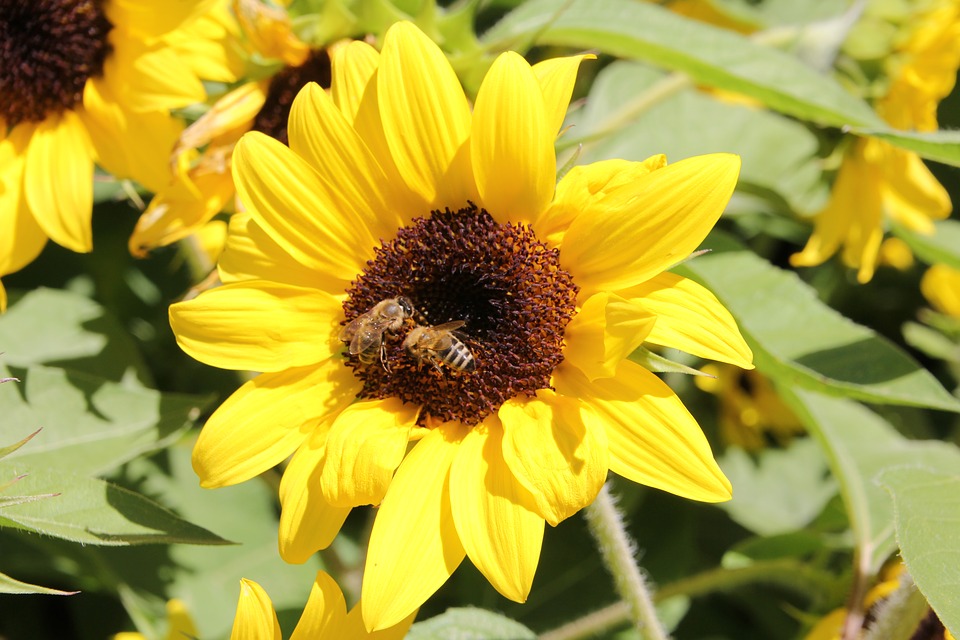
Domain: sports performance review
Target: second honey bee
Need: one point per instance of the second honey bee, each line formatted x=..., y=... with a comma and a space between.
x=365, y=332
x=438, y=345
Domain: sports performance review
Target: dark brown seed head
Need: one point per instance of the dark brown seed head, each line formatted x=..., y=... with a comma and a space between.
x=505, y=284
x=48, y=50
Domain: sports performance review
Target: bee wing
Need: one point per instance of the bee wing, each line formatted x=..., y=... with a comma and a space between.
x=350, y=330
x=369, y=336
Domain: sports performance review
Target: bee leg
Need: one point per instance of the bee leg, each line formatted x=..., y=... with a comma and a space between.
x=383, y=358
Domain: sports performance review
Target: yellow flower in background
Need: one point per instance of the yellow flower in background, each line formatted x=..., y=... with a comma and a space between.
x=878, y=183
x=751, y=413
x=830, y=627
x=391, y=188
x=941, y=287
x=324, y=618
x=3, y=298
x=180, y=625
x=85, y=82
x=202, y=158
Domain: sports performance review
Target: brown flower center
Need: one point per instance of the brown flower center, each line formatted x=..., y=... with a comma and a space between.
x=284, y=86
x=48, y=50
x=505, y=285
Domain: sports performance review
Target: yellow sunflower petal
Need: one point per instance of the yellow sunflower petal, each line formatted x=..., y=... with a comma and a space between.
x=425, y=116
x=852, y=218
x=3, y=299
x=416, y=517
x=652, y=437
x=941, y=286
x=691, y=319
x=354, y=91
x=266, y=419
x=258, y=326
x=129, y=144
x=366, y=444
x=255, y=619
x=149, y=76
x=354, y=65
x=586, y=189
x=606, y=330
x=293, y=204
x=557, y=77
x=556, y=451
x=355, y=629
x=308, y=522
x=251, y=254
x=21, y=238
x=659, y=221
x=494, y=514
x=512, y=142
x=913, y=195
x=320, y=134
x=58, y=181
x=154, y=18
x=179, y=210
x=325, y=614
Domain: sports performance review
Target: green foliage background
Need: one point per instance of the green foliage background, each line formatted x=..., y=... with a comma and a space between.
x=110, y=507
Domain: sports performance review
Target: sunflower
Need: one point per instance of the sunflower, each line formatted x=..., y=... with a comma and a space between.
x=878, y=182
x=324, y=618
x=180, y=624
x=392, y=191
x=85, y=82
x=203, y=184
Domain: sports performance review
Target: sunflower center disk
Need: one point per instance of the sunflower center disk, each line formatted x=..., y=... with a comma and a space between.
x=506, y=287
x=48, y=49
x=284, y=86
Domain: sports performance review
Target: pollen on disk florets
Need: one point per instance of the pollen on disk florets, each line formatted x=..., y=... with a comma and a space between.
x=284, y=86
x=48, y=50
x=506, y=286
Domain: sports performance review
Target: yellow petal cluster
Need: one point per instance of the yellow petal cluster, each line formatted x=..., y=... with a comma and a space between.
x=123, y=124
x=393, y=140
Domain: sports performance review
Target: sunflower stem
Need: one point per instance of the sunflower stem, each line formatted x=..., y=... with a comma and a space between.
x=618, y=551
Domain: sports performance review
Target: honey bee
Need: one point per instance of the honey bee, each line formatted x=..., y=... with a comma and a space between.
x=365, y=332
x=438, y=345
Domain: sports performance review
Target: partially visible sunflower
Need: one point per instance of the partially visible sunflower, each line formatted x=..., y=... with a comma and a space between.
x=179, y=624
x=391, y=187
x=941, y=287
x=831, y=626
x=86, y=82
x=203, y=184
x=324, y=618
x=751, y=413
x=3, y=298
x=877, y=182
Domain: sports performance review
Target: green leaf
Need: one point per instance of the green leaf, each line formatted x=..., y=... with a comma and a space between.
x=92, y=425
x=942, y=246
x=782, y=492
x=468, y=622
x=11, y=585
x=942, y=146
x=207, y=579
x=57, y=327
x=780, y=156
x=926, y=502
x=711, y=56
x=94, y=511
x=796, y=339
x=860, y=445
